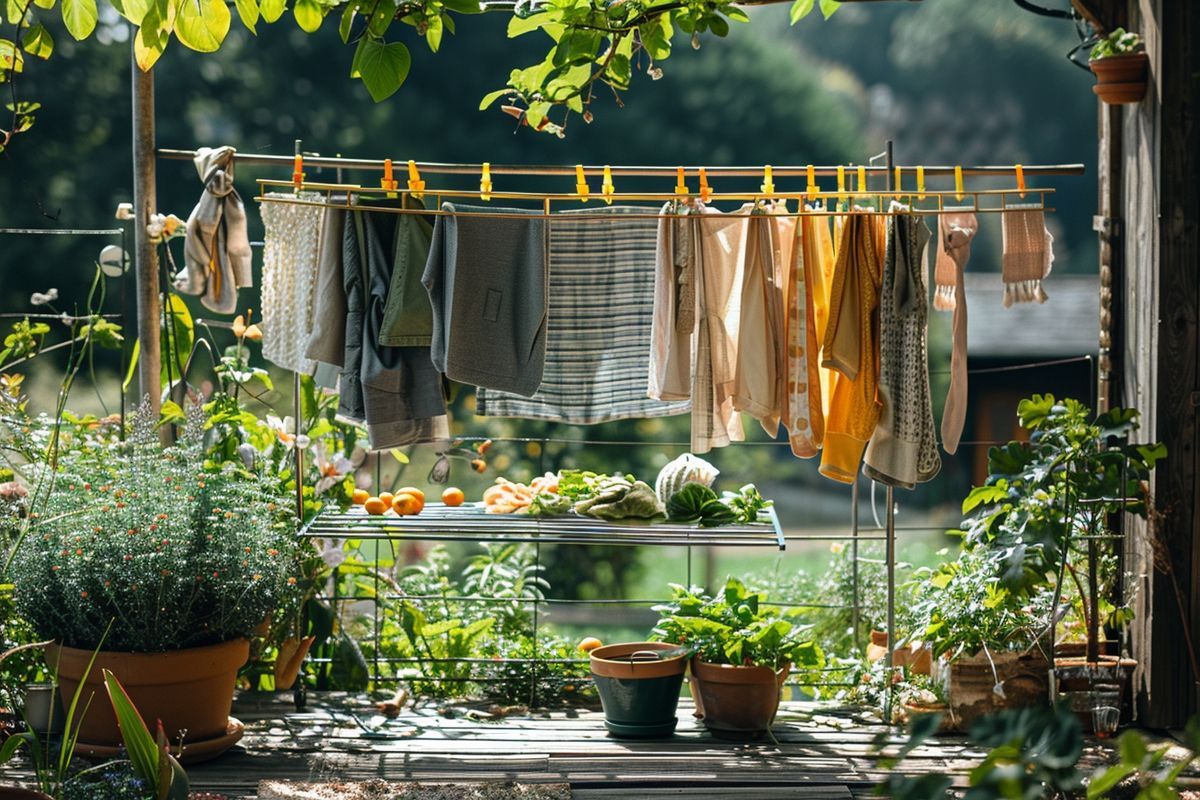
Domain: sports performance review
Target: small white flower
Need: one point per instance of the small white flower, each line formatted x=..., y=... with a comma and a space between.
x=125, y=211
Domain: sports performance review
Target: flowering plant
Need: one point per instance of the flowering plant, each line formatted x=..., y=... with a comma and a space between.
x=172, y=551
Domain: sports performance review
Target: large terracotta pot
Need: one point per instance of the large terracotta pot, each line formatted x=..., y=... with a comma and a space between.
x=638, y=690
x=1025, y=678
x=1121, y=79
x=737, y=701
x=189, y=690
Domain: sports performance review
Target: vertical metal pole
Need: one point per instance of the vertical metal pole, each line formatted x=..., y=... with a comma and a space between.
x=145, y=201
x=891, y=541
x=856, y=609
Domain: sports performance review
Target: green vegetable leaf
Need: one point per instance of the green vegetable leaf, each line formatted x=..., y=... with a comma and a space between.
x=382, y=67
x=80, y=17
x=687, y=505
x=202, y=25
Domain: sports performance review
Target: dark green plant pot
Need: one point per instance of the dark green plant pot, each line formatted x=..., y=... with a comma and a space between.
x=639, y=697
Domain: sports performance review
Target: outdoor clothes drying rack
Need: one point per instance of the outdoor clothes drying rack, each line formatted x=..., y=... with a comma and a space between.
x=344, y=526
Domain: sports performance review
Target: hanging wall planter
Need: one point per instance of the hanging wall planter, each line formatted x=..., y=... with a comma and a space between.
x=1121, y=68
x=639, y=685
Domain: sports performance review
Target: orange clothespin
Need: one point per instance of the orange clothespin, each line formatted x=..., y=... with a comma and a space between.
x=705, y=189
x=298, y=172
x=681, y=189
x=416, y=186
x=389, y=182
x=768, y=184
x=581, y=187
x=920, y=183
x=862, y=179
x=1020, y=170
x=958, y=183
x=606, y=186
x=485, y=182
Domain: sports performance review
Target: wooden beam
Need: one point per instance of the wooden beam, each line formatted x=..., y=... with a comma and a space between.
x=145, y=257
x=1100, y=14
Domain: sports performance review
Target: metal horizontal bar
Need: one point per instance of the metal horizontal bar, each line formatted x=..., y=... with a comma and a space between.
x=62, y=231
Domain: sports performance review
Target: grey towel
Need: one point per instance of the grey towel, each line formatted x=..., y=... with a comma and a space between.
x=487, y=282
x=327, y=342
x=217, y=250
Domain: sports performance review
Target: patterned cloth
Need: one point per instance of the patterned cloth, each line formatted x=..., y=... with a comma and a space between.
x=807, y=312
x=291, y=251
x=599, y=328
x=903, y=450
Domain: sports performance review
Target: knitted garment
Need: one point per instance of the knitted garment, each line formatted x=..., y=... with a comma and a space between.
x=851, y=346
x=807, y=310
x=291, y=252
x=1028, y=255
x=955, y=232
x=217, y=249
x=903, y=450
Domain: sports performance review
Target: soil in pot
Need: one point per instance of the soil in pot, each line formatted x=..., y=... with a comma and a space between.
x=189, y=690
x=638, y=689
x=1121, y=79
x=738, y=702
x=1024, y=677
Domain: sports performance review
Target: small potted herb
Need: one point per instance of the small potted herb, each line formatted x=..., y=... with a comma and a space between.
x=1121, y=66
x=743, y=650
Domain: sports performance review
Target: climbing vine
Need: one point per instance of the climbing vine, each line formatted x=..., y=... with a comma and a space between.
x=597, y=45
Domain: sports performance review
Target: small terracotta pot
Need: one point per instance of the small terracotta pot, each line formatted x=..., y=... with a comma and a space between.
x=189, y=690
x=735, y=700
x=289, y=660
x=918, y=658
x=1121, y=79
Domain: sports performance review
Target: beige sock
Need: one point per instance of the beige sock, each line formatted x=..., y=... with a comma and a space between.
x=1028, y=256
x=955, y=232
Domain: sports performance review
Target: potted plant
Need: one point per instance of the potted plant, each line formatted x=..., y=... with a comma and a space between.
x=1046, y=511
x=639, y=684
x=743, y=650
x=991, y=643
x=1121, y=67
x=166, y=560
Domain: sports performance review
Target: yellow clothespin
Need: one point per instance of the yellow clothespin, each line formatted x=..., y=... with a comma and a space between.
x=705, y=189
x=897, y=187
x=416, y=186
x=485, y=182
x=388, y=182
x=681, y=189
x=298, y=172
x=1020, y=170
x=581, y=187
x=862, y=179
x=812, y=190
x=606, y=187
x=768, y=184
x=841, y=186
x=920, y=183
x=958, y=183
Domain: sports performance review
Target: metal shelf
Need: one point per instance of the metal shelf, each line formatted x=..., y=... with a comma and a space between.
x=471, y=523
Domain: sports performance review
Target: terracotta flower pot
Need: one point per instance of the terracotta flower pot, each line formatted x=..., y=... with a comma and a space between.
x=189, y=690
x=917, y=658
x=1121, y=79
x=640, y=697
x=738, y=701
x=291, y=657
x=1025, y=678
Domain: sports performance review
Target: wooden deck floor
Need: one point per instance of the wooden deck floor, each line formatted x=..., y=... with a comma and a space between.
x=822, y=752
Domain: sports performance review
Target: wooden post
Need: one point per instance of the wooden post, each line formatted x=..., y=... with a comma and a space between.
x=145, y=257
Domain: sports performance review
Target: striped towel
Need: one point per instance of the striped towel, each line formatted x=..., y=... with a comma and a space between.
x=598, y=332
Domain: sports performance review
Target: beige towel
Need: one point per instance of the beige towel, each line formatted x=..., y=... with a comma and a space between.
x=955, y=232
x=1028, y=256
x=217, y=250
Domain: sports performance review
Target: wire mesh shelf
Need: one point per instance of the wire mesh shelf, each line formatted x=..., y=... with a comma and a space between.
x=471, y=523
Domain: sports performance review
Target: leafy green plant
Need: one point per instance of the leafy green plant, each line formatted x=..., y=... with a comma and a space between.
x=150, y=756
x=735, y=627
x=1118, y=42
x=1147, y=767
x=747, y=504
x=443, y=649
x=544, y=673
x=698, y=503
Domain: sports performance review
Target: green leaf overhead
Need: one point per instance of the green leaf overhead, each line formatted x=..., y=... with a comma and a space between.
x=202, y=25
x=382, y=67
x=309, y=15
x=37, y=41
x=79, y=16
x=248, y=13
x=272, y=10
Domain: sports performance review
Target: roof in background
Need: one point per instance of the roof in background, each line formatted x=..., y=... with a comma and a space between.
x=1067, y=324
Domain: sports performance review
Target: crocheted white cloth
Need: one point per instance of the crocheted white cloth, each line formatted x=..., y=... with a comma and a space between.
x=291, y=250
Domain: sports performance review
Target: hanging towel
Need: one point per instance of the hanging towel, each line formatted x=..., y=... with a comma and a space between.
x=1028, y=255
x=673, y=318
x=903, y=450
x=291, y=254
x=851, y=346
x=408, y=315
x=760, y=372
x=487, y=281
x=402, y=393
x=955, y=232
x=598, y=335
x=719, y=240
x=327, y=339
x=217, y=249
x=806, y=314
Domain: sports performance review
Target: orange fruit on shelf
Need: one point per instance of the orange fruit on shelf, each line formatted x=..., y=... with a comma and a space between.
x=375, y=506
x=453, y=496
x=407, y=505
x=387, y=498
x=360, y=496
x=589, y=644
x=414, y=491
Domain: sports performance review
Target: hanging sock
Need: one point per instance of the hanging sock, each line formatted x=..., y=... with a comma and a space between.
x=1028, y=256
x=955, y=232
